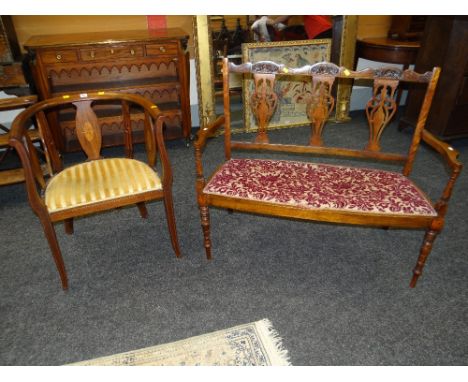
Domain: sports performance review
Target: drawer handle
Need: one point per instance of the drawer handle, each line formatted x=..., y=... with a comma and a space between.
x=58, y=57
x=112, y=51
x=92, y=54
x=132, y=52
x=162, y=49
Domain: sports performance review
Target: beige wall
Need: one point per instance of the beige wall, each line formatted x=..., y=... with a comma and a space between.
x=27, y=26
x=373, y=26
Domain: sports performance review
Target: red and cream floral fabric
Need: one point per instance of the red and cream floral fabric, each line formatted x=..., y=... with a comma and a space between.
x=319, y=186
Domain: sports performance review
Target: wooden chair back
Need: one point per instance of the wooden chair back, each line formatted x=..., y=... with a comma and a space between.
x=320, y=102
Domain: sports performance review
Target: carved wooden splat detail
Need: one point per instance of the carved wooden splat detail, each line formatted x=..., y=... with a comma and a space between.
x=263, y=103
x=319, y=69
x=320, y=103
x=259, y=67
x=380, y=109
x=88, y=130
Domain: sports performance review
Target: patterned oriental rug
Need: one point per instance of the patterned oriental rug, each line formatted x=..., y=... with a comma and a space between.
x=253, y=344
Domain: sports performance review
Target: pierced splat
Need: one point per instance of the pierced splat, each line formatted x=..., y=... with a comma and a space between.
x=263, y=103
x=320, y=103
x=88, y=130
x=380, y=110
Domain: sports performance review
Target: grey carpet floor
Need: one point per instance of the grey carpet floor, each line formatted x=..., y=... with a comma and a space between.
x=337, y=295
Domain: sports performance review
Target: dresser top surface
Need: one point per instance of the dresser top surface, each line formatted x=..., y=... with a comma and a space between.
x=112, y=37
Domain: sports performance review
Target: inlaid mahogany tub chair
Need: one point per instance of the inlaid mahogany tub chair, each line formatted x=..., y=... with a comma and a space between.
x=324, y=192
x=98, y=184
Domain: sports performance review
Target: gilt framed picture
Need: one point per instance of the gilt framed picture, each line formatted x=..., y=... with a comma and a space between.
x=290, y=111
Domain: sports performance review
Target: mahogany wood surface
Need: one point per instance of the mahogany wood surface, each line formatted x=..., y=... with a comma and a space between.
x=89, y=134
x=383, y=49
x=379, y=110
x=389, y=50
x=153, y=64
x=444, y=44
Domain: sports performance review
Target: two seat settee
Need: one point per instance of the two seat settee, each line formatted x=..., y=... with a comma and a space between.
x=302, y=189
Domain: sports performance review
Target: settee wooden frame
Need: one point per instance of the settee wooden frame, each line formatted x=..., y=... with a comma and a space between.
x=379, y=110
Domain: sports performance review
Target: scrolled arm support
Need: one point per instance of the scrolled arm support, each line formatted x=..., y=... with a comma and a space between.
x=451, y=157
x=199, y=145
x=202, y=135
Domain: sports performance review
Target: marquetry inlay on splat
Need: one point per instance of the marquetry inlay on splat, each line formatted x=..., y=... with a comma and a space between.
x=88, y=130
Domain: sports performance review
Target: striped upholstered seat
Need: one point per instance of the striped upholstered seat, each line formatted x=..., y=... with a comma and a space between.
x=99, y=180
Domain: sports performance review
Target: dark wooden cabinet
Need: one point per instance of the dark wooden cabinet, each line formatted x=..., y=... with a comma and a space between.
x=150, y=63
x=444, y=44
x=12, y=79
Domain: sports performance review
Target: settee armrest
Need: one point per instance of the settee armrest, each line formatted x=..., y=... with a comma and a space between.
x=448, y=152
x=451, y=157
x=208, y=131
x=202, y=135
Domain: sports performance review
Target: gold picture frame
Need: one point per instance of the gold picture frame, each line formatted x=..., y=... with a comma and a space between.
x=290, y=111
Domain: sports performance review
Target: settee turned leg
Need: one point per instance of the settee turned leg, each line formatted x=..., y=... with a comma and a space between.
x=205, y=223
x=424, y=252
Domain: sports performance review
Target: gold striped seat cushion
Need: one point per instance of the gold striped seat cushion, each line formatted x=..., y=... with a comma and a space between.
x=99, y=180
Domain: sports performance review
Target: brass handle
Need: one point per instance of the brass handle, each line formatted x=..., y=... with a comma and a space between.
x=132, y=52
x=112, y=51
x=162, y=49
x=59, y=56
x=92, y=54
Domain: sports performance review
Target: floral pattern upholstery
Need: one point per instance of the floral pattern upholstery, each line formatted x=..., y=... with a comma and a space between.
x=319, y=187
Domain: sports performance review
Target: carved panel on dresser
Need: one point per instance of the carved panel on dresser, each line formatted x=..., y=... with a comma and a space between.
x=150, y=63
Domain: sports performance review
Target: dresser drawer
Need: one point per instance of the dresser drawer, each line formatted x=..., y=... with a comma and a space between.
x=163, y=48
x=58, y=56
x=111, y=52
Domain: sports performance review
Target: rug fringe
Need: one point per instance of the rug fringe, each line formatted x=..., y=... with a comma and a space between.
x=266, y=328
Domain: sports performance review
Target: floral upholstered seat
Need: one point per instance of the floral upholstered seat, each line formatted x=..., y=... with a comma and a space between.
x=320, y=187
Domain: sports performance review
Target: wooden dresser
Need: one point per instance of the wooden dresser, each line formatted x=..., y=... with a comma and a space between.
x=151, y=63
x=444, y=44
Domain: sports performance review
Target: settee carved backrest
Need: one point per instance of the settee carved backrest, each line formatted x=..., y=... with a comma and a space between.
x=320, y=102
